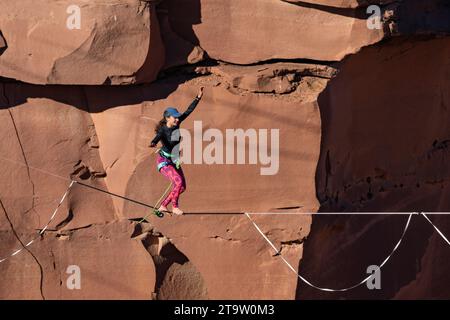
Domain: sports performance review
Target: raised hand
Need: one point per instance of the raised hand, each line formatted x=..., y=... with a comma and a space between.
x=200, y=93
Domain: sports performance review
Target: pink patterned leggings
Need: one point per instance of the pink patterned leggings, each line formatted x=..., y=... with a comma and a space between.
x=176, y=176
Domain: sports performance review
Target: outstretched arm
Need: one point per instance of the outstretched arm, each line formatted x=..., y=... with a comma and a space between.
x=192, y=105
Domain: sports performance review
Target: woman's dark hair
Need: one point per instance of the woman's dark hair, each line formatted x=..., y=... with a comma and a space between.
x=160, y=124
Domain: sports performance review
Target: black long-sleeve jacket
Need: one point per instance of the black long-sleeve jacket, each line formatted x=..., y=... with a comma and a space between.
x=166, y=135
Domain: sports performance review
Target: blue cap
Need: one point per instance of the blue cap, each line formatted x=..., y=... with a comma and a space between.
x=172, y=112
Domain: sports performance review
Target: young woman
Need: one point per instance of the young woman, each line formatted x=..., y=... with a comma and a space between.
x=168, y=163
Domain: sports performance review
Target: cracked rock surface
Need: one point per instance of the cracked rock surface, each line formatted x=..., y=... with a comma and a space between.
x=363, y=120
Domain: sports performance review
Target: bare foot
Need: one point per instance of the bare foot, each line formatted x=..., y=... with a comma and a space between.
x=162, y=209
x=177, y=211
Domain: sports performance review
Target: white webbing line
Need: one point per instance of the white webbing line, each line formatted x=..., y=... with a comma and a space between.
x=46, y=226
x=328, y=289
x=436, y=228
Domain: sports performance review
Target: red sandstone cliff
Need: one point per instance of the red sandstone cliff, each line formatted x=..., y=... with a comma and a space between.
x=362, y=115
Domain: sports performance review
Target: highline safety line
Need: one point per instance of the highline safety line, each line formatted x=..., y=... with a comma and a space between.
x=278, y=253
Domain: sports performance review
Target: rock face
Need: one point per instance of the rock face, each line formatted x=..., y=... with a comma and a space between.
x=106, y=147
x=377, y=158
x=279, y=78
x=116, y=42
x=2, y=44
x=333, y=116
x=238, y=31
x=111, y=266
